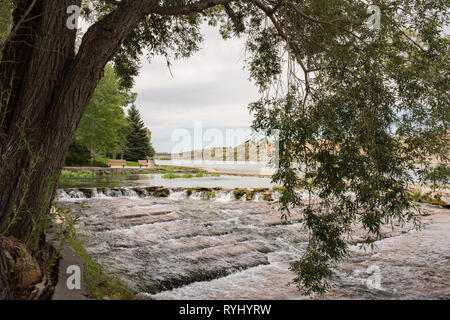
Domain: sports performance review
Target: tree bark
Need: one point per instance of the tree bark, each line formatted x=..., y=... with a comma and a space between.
x=49, y=97
x=50, y=88
x=33, y=141
x=5, y=291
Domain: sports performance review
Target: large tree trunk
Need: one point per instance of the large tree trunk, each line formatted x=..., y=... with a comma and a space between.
x=5, y=290
x=50, y=90
x=33, y=142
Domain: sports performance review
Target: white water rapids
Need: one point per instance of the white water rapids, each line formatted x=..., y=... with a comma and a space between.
x=186, y=246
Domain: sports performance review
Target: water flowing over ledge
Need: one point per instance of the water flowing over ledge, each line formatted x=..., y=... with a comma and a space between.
x=182, y=243
x=197, y=193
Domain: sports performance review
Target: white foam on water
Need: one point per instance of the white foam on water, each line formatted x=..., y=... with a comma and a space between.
x=224, y=196
x=130, y=194
x=113, y=193
x=76, y=194
x=198, y=195
x=251, y=283
x=99, y=194
x=177, y=195
x=70, y=195
x=62, y=195
x=258, y=197
x=275, y=195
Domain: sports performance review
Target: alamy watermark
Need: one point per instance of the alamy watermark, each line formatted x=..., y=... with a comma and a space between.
x=374, y=21
x=373, y=281
x=74, y=12
x=225, y=145
x=74, y=280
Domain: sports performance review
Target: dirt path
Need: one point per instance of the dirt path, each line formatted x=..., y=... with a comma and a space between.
x=69, y=257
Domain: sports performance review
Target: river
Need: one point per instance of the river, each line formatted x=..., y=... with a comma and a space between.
x=208, y=244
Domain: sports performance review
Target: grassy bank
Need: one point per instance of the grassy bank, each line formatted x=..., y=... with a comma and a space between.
x=104, y=161
x=189, y=175
x=101, y=285
x=161, y=168
x=178, y=169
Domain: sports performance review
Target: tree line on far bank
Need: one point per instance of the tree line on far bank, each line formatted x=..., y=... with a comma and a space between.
x=105, y=131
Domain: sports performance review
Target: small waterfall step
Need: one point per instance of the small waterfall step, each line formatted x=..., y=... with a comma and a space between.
x=199, y=193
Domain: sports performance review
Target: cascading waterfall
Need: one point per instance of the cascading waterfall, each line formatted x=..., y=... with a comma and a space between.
x=258, y=197
x=216, y=243
x=98, y=194
x=62, y=195
x=224, y=196
x=213, y=194
x=76, y=194
x=178, y=195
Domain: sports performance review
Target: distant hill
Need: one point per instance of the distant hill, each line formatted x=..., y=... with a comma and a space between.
x=260, y=151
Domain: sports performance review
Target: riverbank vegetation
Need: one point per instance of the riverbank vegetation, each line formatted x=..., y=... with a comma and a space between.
x=189, y=175
x=101, y=285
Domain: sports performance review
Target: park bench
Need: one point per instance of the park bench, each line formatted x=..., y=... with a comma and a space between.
x=143, y=163
x=146, y=163
x=122, y=163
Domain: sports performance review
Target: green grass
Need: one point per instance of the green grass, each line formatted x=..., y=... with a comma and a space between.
x=178, y=168
x=100, y=284
x=129, y=163
x=103, y=160
x=167, y=168
x=189, y=175
x=77, y=174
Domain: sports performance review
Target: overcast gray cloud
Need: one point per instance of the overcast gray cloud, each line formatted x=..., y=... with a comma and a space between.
x=210, y=87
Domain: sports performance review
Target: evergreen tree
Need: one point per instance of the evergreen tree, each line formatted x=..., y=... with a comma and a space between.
x=361, y=106
x=138, y=138
x=103, y=127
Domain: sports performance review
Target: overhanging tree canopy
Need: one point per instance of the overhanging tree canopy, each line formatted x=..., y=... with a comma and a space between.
x=357, y=107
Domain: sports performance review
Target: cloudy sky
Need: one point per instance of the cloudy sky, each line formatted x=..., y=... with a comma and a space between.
x=210, y=89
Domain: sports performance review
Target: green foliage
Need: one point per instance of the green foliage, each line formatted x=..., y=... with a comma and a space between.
x=178, y=168
x=6, y=7
x=138, y=145
x=189, y=175
x=362, y=111
x=175, y=176
x=103, y=127
x=77, y=174
x=101, y=285
x=312, y=271
x=77, y=154
x=437, y=175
